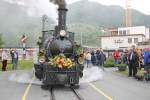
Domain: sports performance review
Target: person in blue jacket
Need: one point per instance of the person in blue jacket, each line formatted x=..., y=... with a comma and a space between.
x=147, y=64
x=147, y=57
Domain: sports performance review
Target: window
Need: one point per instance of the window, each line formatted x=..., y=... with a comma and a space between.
x=120, y=32
x=129, y=40
x=135, y=40
x=124, y=32
x=128, y=32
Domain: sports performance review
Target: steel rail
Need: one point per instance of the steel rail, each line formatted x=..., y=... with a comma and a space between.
x=52, y=96
x=77, y=94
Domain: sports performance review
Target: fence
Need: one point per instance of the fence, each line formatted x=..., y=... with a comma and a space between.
x=31, y=53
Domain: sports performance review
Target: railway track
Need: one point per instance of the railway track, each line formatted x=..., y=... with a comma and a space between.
x=77, y=95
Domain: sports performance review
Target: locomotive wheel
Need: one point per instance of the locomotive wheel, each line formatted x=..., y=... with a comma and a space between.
x=75, y=86
x=81, y=74
x=45, y=87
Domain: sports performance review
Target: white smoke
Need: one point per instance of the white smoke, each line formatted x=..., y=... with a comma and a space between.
x=24, y=78
x=91, y=74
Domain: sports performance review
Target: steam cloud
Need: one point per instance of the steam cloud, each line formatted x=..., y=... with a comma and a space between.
x=60, y=3
x=89, y=75
x=23, y=78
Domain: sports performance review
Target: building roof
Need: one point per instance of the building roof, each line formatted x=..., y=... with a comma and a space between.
x=132, y=27
x=121, y=35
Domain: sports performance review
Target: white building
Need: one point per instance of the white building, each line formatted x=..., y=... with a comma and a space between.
x=125, y=37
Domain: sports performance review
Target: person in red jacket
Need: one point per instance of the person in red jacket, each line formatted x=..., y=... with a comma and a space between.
x=116, y=56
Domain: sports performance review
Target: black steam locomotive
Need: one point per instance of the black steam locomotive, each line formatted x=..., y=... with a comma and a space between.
x=58, y=42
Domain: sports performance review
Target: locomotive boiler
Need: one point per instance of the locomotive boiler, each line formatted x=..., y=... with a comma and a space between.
x=58, y=59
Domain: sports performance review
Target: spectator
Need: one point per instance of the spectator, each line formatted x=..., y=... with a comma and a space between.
x=123, y=58
x=11, y=55
x=141, y=56
x=93, y=58
x=116, y=56
x=133, y=62
x=147, y=64
x=15, y=59
x=126, y=56
x=4, y=60
x=147, y=58
x=88, y=58
x=98, y=57
x=103, y=59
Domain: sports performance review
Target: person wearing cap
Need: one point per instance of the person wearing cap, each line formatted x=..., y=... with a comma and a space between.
x=4, y=59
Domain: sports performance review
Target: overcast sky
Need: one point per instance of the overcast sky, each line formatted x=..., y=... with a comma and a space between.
x=141, y=5
x=40, y=7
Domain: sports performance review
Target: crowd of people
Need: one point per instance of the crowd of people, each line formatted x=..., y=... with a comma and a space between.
x=135, y=58
x=94, y=57
x=4, y=58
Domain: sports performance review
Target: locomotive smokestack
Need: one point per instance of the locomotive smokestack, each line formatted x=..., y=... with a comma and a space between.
x=61, y=14
x=60, y=3
x=62, y=18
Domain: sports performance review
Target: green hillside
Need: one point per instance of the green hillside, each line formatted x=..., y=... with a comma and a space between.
x=89, y=12
x=84, y=17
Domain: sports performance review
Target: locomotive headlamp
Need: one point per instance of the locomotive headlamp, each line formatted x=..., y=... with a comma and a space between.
x=41, y=60
x=62, y=33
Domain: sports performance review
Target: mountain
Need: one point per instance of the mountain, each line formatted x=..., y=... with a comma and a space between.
x=94, y=13
x=15, y=22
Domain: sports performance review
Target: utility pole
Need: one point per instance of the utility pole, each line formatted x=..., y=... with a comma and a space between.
x=44, y=18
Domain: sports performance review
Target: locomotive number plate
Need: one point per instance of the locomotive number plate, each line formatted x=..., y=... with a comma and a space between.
x=61, y=77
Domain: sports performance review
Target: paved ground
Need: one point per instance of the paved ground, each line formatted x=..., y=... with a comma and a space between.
x=10, y=90
x=121, y=87
x=113, y=86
